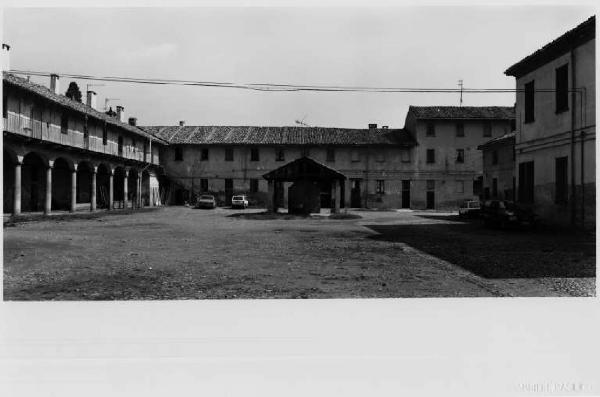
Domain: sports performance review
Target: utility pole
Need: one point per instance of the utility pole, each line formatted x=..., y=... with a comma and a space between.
x=460, y=84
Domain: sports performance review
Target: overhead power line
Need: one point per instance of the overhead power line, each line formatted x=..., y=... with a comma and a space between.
x=275, y=86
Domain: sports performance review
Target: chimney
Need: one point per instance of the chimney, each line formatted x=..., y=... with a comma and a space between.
x=91, y=99
x=133, y=121
x=384, y=127
x=181, y=123
x=121, y=113
x=372, y=126
x=55, y=84
x=5, y=57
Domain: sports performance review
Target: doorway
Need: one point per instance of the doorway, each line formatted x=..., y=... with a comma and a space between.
x=406, y=194
x=355, y=194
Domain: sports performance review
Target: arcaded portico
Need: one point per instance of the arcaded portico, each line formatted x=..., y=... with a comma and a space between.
x=309, y=178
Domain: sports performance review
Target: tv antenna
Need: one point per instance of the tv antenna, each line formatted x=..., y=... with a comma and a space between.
x=460, y=84
x=301, y=122
x=107, y=100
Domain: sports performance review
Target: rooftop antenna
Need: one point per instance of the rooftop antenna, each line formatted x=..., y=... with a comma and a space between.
x=107, y=100
x=301, y=122
x=460, y=84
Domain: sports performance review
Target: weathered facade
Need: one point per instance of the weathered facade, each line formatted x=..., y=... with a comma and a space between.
x=499, y=168
x=555, y=139
x=60, y=154
x=448, y=167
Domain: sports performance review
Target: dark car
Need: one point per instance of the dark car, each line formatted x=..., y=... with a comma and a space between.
x=506, y=213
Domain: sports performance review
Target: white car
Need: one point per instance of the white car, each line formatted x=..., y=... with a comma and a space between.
x=239, y=202
x=469, y=208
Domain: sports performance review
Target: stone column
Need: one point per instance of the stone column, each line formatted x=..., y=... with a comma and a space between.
x=48, y=201
x=93, y=189
x=125, y=191
x=111, y=190
x=336, y=194
x=347, y=192
x=271, y=196
x=73, y=189
x=17, y=192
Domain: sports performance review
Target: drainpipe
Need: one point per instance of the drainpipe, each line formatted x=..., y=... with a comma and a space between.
x=582, y=137
x=573, y=187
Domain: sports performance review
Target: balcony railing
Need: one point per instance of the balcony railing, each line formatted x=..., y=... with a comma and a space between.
x=22, y=125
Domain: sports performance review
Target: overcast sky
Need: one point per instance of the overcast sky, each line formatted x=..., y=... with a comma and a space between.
x=428, y=47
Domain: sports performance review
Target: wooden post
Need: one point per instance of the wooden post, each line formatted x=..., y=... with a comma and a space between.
x=17, y=192
x=336, y=194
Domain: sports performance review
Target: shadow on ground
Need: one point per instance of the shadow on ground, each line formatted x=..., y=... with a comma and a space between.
x=495, y=253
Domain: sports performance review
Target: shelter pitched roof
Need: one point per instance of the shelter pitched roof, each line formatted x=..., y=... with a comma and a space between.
x=506, y=138
x=62, y=100
x=462, y=112
x=214, y=135
x=303, y=168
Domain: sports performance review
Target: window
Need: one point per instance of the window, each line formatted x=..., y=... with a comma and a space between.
x=477, y=185
x=562, y=88
x=64, y=124
x=254, y=154
x=430, y=184
x=561, y=181
x=487, y=129
x=105, y=134
x=430, y=156
x=253, y=185
x=405, y=155
x=178, y=153
x=494, y=157
x=204, y=185
x=380, y=186
x=330, y=154
x=430, y=129
x=495, y=187
x=460, y=129
x=526, y=182
x=279, y=155
x=204, y=154
x=529, y=102
x=460, y=186
x=355, y=156
x=228, y=154
x=4, y=106
x=460, y=155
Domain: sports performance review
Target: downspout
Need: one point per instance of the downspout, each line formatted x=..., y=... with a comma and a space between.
x=573, y=187
x=582, y=137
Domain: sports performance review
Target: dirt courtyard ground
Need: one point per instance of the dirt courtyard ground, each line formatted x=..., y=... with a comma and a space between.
x=184, y=253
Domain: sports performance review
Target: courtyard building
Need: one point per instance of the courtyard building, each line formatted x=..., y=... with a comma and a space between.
x=60, y=154
x=556, y=134
x=499, y=168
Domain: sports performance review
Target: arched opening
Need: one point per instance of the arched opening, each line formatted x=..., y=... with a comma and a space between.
x=61, y=185
x=8, y=181
x=118, y=186
x=84, y=183
x=103, y=186
x=33, y=183
x=132, y=188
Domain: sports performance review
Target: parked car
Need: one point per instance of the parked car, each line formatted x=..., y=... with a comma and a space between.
x=206, y=201
x=239, y=202
x=469, y=209
x=505, y=213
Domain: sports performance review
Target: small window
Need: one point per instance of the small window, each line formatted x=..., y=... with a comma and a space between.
x=430, y=156
x=228, y=154
x=561, y=181
x=279, y=154
x=460, y=155
x=253, y=185
x=430, y=129
x=204, y=185
x=460, y=129
x=330, y=154
x=405, y=155
x=562, y=89
x=494, y=157
x=104, y=134
x=460, y=186
x=204, y=154
x=254, y=154
x=380, y=186
x=430, y=184
x=178, y=153
x=530, y=102
x=64, y=124
x=487, y=129
x=355, y=156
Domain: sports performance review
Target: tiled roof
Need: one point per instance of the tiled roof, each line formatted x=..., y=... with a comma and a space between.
x=500, y=139
x=71, y=104
x=302, y=168
x=462, y=112
x=580, y=34
x=242, y=135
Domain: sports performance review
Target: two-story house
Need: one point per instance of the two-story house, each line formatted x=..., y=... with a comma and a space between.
x=556, y=134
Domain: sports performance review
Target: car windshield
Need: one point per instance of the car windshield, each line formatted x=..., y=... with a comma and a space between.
x=206, y=198
x=237, y=198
